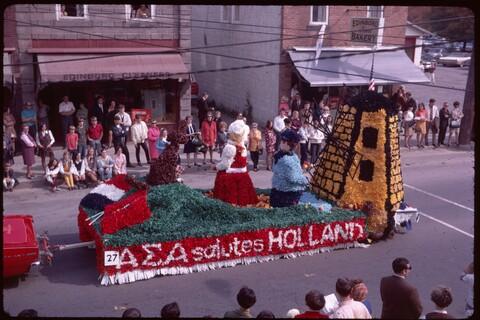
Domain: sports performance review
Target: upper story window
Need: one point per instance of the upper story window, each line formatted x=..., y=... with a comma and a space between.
x=235, y=13
x=374, y=11
x=230, y=14
x=318, y=14
x=140, y=11
x=66, y=11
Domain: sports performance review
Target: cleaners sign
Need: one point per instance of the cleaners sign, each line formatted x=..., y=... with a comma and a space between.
x=365, y=30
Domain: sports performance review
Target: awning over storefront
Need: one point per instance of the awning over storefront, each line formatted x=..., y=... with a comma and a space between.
x=94, y=67
x=353, y=68
x=7, y=69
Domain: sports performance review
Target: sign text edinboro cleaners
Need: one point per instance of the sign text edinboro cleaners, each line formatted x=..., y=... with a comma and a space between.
x=265, y=242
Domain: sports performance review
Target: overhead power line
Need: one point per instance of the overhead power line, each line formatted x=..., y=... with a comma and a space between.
x=264, y=64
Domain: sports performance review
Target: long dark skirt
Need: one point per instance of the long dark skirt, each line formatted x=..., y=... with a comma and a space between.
x=28, y=156
x=189, y=147
x=284, y=198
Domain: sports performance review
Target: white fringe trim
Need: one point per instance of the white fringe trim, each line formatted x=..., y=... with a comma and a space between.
x=135, y=275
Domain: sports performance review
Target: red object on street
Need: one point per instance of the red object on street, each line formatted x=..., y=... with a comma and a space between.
x=20, y=246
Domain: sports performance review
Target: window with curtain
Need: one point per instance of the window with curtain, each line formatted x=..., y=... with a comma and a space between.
x=319, y=14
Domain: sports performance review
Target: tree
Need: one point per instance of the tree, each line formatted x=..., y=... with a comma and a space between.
x=460, y=29
x=466, y=126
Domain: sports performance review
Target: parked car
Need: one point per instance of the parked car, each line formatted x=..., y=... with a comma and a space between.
x=435, y=52
x=455, y=59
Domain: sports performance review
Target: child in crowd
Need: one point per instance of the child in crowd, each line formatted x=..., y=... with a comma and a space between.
x=72, y=142
x=51, y=174
x=104, y=165
x=162, y=141
x=315, y=137
x=67, y=169
x=119, y=162
x=91, y=166
x=79, y=176
x=82, y=137
x=9, y=181
x=255, y=145
x=45, y=141
x=270, y=141
x=303, y=132
x=222, y=136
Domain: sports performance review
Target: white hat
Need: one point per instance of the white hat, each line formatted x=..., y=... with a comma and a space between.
x=237, y=127
x=292, y=313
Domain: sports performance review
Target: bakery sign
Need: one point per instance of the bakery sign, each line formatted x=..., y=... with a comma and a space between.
x=365, y=30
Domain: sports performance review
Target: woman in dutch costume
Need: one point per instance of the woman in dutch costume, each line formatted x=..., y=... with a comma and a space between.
x=233, y=183
x=288, y=181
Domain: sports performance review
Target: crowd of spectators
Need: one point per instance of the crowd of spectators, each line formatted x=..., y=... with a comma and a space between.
x=400, y=300
x=109, y=126
x=416, y=118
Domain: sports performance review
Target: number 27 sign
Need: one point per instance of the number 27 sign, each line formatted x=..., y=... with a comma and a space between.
x=111, y=258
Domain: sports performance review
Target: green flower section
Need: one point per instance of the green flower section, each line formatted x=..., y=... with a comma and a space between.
x=180, y=212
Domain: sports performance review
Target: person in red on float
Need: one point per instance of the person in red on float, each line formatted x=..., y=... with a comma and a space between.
x=233, y=183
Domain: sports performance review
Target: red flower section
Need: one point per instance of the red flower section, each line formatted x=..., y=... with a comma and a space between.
x=126, y=212
x=120, y=181
x=189, y=252
x=235, y=188
x=83, y=231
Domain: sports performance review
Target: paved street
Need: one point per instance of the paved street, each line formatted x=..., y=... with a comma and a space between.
x=438, y=182
x=452, y=77
x=438, y=253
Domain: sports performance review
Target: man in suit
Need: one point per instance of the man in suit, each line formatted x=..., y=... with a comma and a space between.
x=99, y=111
x=202, y=106
x=400, y=299
x=297, y=103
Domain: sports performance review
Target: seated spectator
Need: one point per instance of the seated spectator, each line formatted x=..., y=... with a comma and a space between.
x=170, y=310
x=131, y=313
x=91, y=166
x=292, y=313
x=349, y=308
x=104, y=166
x=9, y=181
x=442, y=297
x=246, y=299
x=28, y=313
x=119, y=162
x=79, y=176
x=360, y=292
x=315, y=302
x=266, y=314
x=67, y=169
x=51, y=174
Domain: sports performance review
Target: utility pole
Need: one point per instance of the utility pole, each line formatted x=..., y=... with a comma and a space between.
x=466, y=126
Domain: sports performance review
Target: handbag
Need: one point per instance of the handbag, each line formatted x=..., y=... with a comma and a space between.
x=455, y=124
x=196, y=141
x=260, y=151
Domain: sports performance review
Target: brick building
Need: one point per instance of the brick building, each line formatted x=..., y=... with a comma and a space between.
x=295, y=33
x=130, y=53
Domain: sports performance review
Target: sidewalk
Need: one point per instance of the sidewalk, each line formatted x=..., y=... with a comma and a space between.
x=205, y=175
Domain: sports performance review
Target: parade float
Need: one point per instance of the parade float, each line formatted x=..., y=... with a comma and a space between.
x=148, y=226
